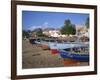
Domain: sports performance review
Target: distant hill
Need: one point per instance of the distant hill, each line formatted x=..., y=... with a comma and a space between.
x=47, y=29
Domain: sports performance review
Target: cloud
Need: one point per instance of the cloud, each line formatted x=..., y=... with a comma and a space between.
x=45, y=23
x=34, y=27
x=43, y=26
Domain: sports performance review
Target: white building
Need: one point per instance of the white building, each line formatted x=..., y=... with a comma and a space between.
x=52, y=33
x=81, y=30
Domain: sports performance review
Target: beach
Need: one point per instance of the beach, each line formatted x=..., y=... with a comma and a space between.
x=33, y=56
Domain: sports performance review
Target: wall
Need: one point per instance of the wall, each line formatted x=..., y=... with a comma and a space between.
x=5, y=32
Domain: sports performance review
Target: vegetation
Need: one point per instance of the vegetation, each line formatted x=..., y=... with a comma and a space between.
x=39, y=32
x=68, y=28
x=87, y=22
x=25, y=34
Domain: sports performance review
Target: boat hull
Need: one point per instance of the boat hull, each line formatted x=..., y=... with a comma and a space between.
x=75, y=56
x=66, y=45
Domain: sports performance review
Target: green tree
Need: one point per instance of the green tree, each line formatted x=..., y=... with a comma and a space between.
x=25, y=34
x=87, y=23
x=68, y=28
x=39, y=32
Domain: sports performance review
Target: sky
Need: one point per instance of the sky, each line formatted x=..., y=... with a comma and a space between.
x=37, y=19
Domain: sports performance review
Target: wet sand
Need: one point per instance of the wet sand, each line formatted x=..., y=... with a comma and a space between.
x=33, y=56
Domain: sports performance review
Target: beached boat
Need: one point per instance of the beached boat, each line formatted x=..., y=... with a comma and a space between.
x=83, y=56
x=45, y=43
x=66, y=45
x=32, y=41
x=55, y=45
x=59, y=46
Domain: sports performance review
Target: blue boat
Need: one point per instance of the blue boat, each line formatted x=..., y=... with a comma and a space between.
x=75, y=56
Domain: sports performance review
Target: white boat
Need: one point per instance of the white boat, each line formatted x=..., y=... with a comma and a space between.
x=67, y=45
x=54, y=44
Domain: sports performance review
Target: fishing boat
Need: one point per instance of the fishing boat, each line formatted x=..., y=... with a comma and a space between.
x=79, y=56
x=44, y=43
x=32, y=41
x=65, y=45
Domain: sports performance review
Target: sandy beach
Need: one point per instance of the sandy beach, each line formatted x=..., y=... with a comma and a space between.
x=33, y=56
